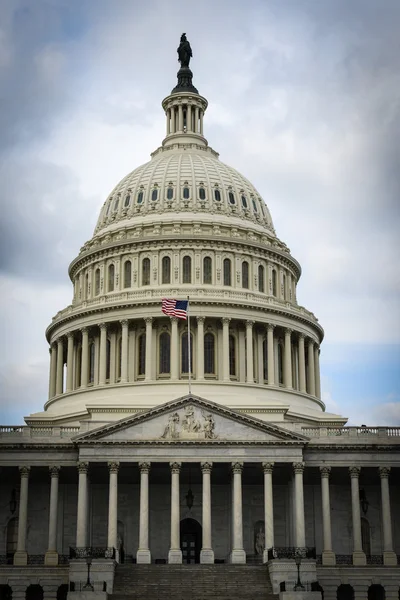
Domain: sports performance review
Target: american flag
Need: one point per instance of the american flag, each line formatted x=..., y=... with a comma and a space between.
x=175, y=308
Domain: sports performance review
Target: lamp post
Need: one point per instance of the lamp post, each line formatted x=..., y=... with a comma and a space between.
x=88, y=586
x=299, y=585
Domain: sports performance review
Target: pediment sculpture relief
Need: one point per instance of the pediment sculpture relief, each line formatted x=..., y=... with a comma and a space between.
x=193, y=424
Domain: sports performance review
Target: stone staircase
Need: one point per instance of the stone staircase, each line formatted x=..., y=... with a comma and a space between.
x=192, y=582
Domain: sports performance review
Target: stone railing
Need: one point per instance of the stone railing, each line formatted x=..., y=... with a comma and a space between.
x=291, y=552
x=359, y=432
x=7, y=431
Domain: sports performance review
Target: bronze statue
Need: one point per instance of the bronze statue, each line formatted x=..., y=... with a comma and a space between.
x=184, y=51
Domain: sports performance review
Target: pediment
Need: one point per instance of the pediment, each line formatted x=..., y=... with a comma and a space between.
x=190, y=419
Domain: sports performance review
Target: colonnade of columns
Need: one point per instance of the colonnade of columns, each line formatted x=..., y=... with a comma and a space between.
x=261, y=353
x=185, y=117
x=238, y=554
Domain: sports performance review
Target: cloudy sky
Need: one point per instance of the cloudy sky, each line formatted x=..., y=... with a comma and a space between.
x=304, y=101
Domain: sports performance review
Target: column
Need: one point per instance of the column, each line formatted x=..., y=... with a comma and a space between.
x=311, y=373
x=143, y=555
x=85, y=356
x=149, y=340
x=288, y=359
x=201, y=122
x=207, y=553
x=173, y=119
x=81, y=524
x=328, y=556
x=270, y=351
x=168, y=121
x=189, y=117
x=200, y=348
x=302, y=365
x=300, y=536
x=70, y=362
x=124, y=351
x=21, y=556
x=196, y=119
x=175, y=552
x=180, y=118
x=268, y=509
x=112, y=539
x=238, y=554
x=359, y=557
x=174, y=349
x=51, y=557
x=389, y=557
x=316, y=372
x=60, y=366
x=103, y=354
x=53, y=370
x=249, y=352
x=225, y=348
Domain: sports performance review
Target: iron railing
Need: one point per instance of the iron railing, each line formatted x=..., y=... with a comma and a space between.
x=35, y=559
x=291, y=552
x=374, y=559
x=91, y=552
x=344, y=559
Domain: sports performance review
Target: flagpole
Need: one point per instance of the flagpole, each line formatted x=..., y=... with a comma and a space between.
x=189, y=350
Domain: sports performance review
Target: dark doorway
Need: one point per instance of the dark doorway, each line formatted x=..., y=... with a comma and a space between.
x=34, y=592
x=345, y=592
x=62, y=592
x=191, y=541
x=5, y=592
x=376, y=592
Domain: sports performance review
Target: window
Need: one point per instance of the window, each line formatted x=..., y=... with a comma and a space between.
x=140, y=198
x=146, y=271
x=97, y=282
x=92, y=351
x=261, y=282
x=111, y=275
x=245, y=274
x=207, y=270
x=108, y=207
x=202, y=193
x=232, y=356
x=187, y=269
x=165, y=353
x=127, y=200
x=254, y=205
x=142, y=354
x=274, y=282
x=227, y=272
x=217, y=195
x=231, y=196
x=116, y=204
x=186, y=193
x=209, y=354
x=170, y=193
x=166, y=270
x=244, y=202
x=127, y=274
x=185, y=353
x=154, y=194
x=108, y=359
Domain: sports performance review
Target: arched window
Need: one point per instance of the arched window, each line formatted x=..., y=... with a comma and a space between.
x=345, y=592
x=165, y=353
x=87, y=285
x=231, y=196
x=146, y=271
x=108, y=207
x=119, y=358
x=365, y=536
x=116, y=202
x=227, y=272
x=92, y=357
x=185, y=353
x=5, y=589
x=274, y=283
x=202, y=193
x=142, y=354
x=108, y=359
x=187, y=269
x=170, y=193
x=376, y=592
x=166, y=270
x=207, y=270
x=127, y=274
x=254, y=205
x=140, y=197
x=245, y=274
x=111, y=275
x=217, y=195
x=97, y=282
x=154, y=194
x=232, y=356
x=261, y=279
x=244, y=201
x=34, y=592
x=209, y=353
x=265, y=360
x=127, y=200
x=186, y=193
x=62, y=592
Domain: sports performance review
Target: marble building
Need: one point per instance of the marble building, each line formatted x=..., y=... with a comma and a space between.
x=247, y=466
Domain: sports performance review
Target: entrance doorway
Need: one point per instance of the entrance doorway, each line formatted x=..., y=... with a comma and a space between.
x=191, y=541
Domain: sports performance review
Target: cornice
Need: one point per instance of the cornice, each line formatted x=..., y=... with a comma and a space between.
x=352, y=447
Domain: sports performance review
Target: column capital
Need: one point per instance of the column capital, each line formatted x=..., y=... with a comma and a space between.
x=144, y=467
x=206, y=467
x=288, y=331
x=103, y=326
x=174, y=319
x=24, y=471
x=249, y=324
x=148, y=320
x=54, y=471
x=310, y=341
x=226, y=321
x=60, y=340
x=298, y=467
x=124, y=323
x=84, y=330
x=70, y=334
x=175, y=467
x=268, y=467
x=200, y=319
x=113, y=466
x=270, y=326
x=237, y=467
x=83, y=467
x=384, y=472
x=354, y=472
x=325, y=471
x=301, y=335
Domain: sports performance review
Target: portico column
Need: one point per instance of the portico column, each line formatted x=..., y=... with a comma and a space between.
x=359, y=557
x=201, y=121
x=70, y=361
x=316, y=372
x=328, y=556
x=249, y=352
x=238, y=554
x=174, y=349
x=225, y=348
x=175, y=552
x=288, y=359
x=112, y=539
x=200, y=348
x=85, y=357
x=81, y=521
x=270, y=351
x=311, y=371
x=103, y=354
x=207, y=553
x=21, y=556
x=149, y=340
x=300, y=536
x=268, y=509
x=302, y=365
x=60, y=366
x=124, y=351
x=389, y=557
x=143, y=555
x=51, y=557
x=172, y=110
x=53, y=371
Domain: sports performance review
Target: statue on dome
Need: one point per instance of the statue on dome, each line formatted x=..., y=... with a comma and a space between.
x=184, y=51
